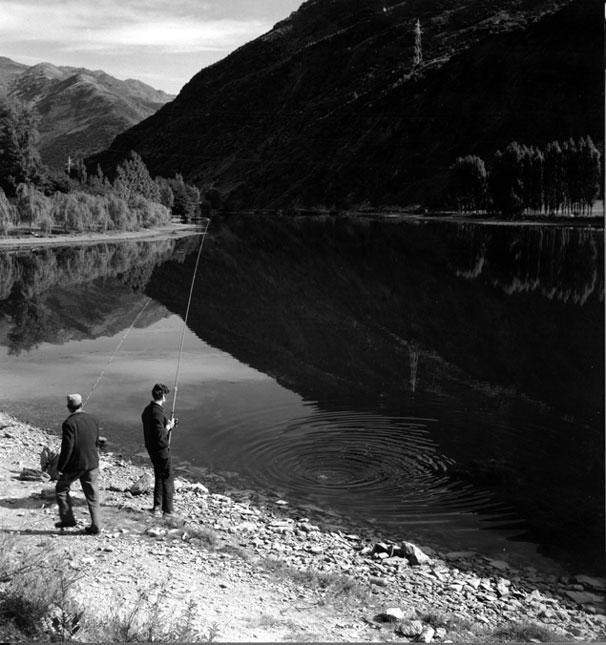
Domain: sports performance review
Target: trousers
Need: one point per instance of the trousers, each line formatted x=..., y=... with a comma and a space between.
x=90, y=488
x=164, y=484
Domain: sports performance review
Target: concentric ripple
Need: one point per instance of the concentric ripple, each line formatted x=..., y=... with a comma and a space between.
x=360, y=463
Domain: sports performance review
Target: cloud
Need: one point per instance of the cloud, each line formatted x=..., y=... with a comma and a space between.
x=177, y=27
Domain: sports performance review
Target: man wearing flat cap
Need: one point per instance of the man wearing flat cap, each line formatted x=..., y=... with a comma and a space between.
x=78, y=460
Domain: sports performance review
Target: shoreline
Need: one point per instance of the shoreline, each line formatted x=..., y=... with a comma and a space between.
x=22, y=242
x=251, y=575
x=178, y=230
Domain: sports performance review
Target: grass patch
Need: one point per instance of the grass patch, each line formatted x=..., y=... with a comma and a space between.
x=149, y=619
x=525, y=632
x=333, y=588
x=35, y=599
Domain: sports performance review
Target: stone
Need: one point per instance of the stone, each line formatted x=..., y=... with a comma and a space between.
x=379, y=582
x=395, y=612
x=411, y=628
x=415, y=555
x=499, y=564
x=144, y=484
x=426, y=636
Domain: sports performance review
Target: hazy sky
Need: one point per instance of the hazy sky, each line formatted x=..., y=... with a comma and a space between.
x=161, y=42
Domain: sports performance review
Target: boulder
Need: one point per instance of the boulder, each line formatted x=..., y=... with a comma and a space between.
x=415, y=555
x=144, y=484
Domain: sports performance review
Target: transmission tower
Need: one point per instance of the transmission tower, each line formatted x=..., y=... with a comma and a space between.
x=418, y=55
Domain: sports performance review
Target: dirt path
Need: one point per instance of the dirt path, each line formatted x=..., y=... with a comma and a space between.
x=241, y=567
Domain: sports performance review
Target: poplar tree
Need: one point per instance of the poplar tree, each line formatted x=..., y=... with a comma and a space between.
x=19, y=157
x=591, y=172
x=553, y=177
x=467, y=183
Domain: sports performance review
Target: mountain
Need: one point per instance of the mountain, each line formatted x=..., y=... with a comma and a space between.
x=81, y=110
x=327, y=109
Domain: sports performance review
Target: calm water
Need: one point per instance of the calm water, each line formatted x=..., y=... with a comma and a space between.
x=437, y=380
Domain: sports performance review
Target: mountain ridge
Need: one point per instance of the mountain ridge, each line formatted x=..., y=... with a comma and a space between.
x=327, y=109
x=81, y=110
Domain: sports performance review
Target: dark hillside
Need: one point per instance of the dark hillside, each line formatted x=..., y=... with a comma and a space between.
x=324, y=109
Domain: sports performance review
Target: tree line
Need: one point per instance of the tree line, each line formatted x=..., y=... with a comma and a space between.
x=562, y=178
x=32, y=195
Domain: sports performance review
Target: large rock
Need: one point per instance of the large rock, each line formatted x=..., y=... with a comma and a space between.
x=414, y=554
x=144, y=484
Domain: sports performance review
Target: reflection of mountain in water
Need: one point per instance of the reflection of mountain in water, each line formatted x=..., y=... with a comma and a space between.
x=377, y=311
x=56, y=295
x=331, y=304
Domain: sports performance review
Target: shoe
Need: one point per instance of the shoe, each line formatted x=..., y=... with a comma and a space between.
x=156, y=512
x=91, y=530
x=65, y=525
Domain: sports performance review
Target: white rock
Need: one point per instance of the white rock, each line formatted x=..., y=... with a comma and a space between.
x=415, y=555
x=426, y=636
x=395, y=612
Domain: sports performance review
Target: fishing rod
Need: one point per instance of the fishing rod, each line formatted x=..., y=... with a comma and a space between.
x=116, y=351
x=191, y=291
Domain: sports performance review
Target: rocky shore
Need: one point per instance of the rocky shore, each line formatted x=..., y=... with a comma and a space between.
x=247, y=567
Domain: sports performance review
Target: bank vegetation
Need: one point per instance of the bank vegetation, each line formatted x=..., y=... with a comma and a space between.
x=33, y=198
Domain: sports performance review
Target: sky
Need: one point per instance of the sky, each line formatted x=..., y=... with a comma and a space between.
x=160, y=42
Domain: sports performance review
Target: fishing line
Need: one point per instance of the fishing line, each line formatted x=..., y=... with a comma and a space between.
x=191, y=291
x=116, y=350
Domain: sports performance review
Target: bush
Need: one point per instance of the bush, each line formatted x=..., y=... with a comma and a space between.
x=8, y=214
x=120, y=215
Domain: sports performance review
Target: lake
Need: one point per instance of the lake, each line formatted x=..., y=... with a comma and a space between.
x=436, y=380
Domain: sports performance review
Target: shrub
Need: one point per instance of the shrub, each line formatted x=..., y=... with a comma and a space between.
x=119, y=213
x=32, y=205
x=7, y=213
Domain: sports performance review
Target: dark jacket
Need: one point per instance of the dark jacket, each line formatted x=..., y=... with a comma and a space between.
x=79, y=443
x=154, y=429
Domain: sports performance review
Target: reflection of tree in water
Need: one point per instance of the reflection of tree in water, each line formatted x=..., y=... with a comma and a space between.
x=560, y=263
x=32, y=325
x=26, y=278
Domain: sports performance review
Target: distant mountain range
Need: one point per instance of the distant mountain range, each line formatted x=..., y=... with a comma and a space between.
x=327, y=109
x=81, y=110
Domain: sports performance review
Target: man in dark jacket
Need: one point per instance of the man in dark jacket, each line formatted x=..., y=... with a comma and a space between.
x=78, y=459
x=156, y=431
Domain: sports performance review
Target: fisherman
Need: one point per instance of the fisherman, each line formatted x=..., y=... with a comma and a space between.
x=78, y=459
x=156, y=431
